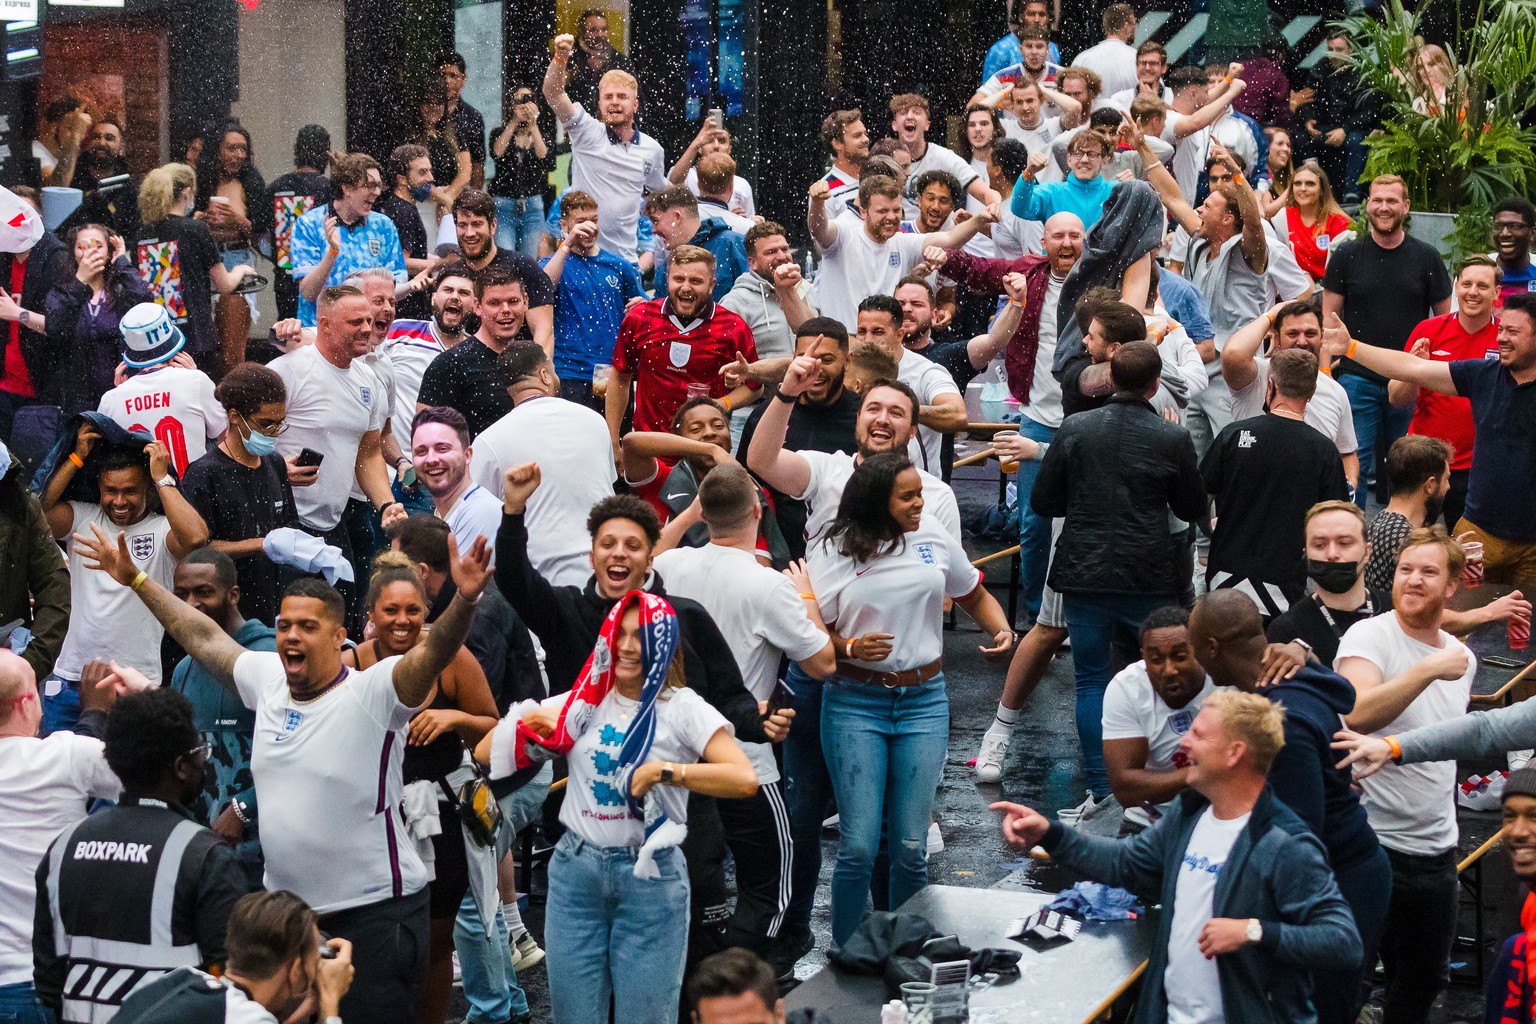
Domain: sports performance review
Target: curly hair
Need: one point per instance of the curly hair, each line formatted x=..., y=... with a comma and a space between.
x=625, y=506
x=146, y=733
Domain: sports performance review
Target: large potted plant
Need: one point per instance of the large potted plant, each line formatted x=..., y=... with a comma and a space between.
x=1462, y=152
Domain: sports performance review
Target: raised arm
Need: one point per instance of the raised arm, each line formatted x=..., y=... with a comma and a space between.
x=1379, y=701
x=959, y=234
x=1404, y=366
x=554, y=78
x=784, y=471
x=821, y=228
x=1255, y=243
x=1161, y=179
x=1072, y=113
x=1212, y=111
x=786, y=285
x=417, y=672
x=60, y=516
x=643, y=447
x=313, y=283
x=1239, y=358
x=188, y=531
x=198, y=635
x=983, y=348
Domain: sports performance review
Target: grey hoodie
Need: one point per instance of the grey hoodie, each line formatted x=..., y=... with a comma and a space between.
x=754, y=300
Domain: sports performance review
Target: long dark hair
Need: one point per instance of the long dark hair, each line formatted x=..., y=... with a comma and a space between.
x=864, y=528
x=70, y=266
x=210, y=170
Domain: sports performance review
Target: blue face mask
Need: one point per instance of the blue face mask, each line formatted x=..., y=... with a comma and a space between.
x=257, y=443
x=421, y=193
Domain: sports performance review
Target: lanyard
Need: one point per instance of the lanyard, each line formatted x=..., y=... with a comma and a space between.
x=1333, y=623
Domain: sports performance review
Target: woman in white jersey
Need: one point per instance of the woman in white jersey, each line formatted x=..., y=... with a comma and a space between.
x=634, y=738
x=880, y=572
x=458, y=714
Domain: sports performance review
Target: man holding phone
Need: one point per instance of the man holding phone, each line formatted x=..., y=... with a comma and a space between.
x=765, y=617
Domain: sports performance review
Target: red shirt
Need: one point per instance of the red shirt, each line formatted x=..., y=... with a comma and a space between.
x=1442, y=416
x=665, y=355
x=17, y=380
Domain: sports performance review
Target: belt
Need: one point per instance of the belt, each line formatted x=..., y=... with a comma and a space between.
x=890, y=680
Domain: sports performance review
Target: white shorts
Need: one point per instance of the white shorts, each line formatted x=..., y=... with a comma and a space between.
x=1051, y=613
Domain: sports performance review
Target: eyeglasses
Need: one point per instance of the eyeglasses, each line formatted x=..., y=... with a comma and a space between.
x=203, y=749
x=277, y=429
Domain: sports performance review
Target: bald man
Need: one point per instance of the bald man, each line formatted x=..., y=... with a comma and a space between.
x=1227, y=633
x=45, y=786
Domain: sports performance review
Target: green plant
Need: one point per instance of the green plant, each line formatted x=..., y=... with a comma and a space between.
x=1469, y=150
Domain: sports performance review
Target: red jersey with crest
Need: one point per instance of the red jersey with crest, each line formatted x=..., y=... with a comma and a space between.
x=666, y=354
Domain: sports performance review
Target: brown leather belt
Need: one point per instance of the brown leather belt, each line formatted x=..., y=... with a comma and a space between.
x=890, y=680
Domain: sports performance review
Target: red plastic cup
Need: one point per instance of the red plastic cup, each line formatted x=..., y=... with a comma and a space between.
x=1519, y=633
x=1472, y=575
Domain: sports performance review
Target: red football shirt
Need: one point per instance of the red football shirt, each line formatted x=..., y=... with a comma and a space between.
x=665, y=355
x=1442, y=416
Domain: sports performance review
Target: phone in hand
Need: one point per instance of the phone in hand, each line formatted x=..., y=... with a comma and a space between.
x=781, y=697
x=309, y=457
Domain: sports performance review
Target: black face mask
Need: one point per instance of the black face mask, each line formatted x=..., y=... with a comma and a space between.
x=1334, y=577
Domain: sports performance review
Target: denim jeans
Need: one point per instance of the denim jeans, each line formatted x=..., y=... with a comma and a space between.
x=608, y=933
x=61, y=711
x=19, y=1005
x=808, y=792
x=1418, y=934
x=519, y=223
x=1354, y=163
x=485, y=955
x=1034, y=530
x=1372, y=412
x=1096, y=623
x=885, y=753
x=1367, y=888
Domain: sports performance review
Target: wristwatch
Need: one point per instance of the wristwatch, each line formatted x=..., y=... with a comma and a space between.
x=169, y=480
x=26, y=316
x=1255, y=931
x=666, y=775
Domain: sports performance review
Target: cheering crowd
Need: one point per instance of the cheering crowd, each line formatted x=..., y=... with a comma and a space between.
x=623, y=513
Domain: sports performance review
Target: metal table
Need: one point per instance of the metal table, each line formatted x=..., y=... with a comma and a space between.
x=1061, y=984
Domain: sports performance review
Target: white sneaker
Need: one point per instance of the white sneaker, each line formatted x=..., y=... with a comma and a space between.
x=526, y=952
x=989, y=760
x=1072, y=815
x=832, y=822
x=458, y=972
x=935, y=839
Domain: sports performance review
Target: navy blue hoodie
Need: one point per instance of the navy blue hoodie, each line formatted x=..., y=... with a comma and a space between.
x=1304, y=777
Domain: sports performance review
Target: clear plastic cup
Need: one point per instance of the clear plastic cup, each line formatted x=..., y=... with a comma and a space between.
x=698, y=391
x=918, y=997
x=1472, y=575
x=1004, y=463
x=601, y=374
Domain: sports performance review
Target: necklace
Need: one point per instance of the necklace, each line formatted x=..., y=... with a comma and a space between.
x=308, y=698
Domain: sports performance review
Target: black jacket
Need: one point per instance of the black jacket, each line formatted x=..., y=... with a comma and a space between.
x=500, y=643
x=1340, y=101
x=1114, y=473
x=46, y=263
x=567, y=621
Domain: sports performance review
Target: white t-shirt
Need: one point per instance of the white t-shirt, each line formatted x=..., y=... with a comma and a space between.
x=44, y=786
x=574, y=451
x=941, y=158
x=1134, y=711
x=328, y=779
x=329, y=410
x=378, y=364
x=1189, y=154
x=741, y=192
x=1037, y=139
x=1114, y=61
x=1328, y=412
x=855, y=267
x=929, y=380
x=1191, y=981
x=759, y=612
x=1013, y=236
x=1233, y=133
x=617, y=175
x=829, y=473
x=107, y=619
x=594, y=808
x=477, y=513
x=1412, y=807
x=1125, y=97
x=409, y=356
x=901, y=593
x=174, y=404
x=1045, y=390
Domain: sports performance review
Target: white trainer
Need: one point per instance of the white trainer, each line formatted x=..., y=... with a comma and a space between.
x=989, y=760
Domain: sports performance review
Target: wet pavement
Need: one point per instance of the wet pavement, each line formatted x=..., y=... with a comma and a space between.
x=1042, y=770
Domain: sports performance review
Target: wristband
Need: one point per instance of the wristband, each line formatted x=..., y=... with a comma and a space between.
x=559, y=59
x=138, y=581
x=77, y=460
x=807, y=597
x=1396, y=748
x=234, y=805
x=334, y=250
x=848, y=650
x=786, y=399
x=726, y=401
x=1354, y=343
x=1017, y=305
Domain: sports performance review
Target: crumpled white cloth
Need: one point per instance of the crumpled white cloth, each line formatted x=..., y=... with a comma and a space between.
x=289, y=546
x=419, y=810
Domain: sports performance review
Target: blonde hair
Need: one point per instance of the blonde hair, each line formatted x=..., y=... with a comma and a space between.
x=162, y=189
x=616, y=77
x=1258, y=722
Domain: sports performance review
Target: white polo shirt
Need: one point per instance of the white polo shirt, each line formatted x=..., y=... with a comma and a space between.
x=829, y=475
x=616, y=174
x=1134, y=711
x=759, y=612
x=328, y=781
x=574, y=451
x=477, y=513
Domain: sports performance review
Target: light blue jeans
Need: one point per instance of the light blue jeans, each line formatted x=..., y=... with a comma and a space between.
x=61, y=711
x=519, y=223
x=608, y=933
x=1372, y=412
x=19, y=1005
x=885, y=753
x=485, y=955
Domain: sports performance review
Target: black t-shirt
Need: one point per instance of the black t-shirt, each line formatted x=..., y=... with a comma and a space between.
x=175, y=257
x=1387, y=292
x=812, y=428
x=536, y=283
x=519, y=171
x=407, y=219
x=469, y=128
x=1323, y=628
x=1072, y=400
x=466, y=378
x=955, y=357
x=289, y=197
x=1265, y=473
x=239, y=503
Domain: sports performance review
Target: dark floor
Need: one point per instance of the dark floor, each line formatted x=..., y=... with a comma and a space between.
x=1042, y=770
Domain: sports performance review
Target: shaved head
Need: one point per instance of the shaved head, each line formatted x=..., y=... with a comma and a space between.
x=1227, y=633
x=1063, y=221
x=16, y=680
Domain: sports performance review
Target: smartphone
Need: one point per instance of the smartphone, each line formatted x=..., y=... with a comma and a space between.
x=1498, y=662
x=327, y=952
x=717, y=117
x=309, y=457
x=783, y=697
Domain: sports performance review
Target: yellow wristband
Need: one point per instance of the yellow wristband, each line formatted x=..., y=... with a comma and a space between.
x=726, y=401
x=138, y=581
x=1354, y=343
x=77, y=460
x=807, y=597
